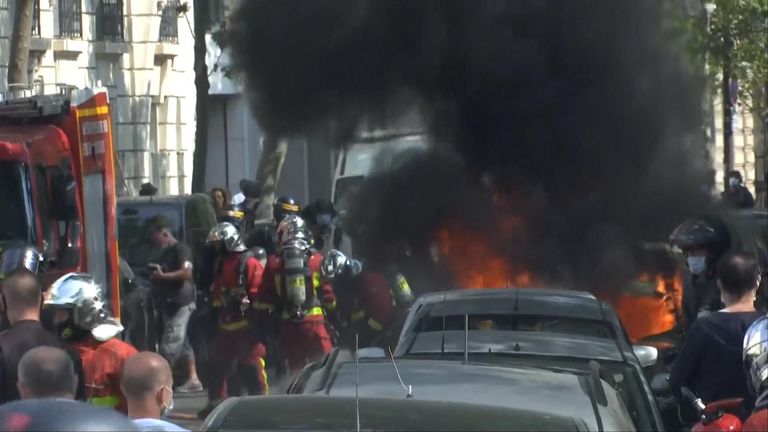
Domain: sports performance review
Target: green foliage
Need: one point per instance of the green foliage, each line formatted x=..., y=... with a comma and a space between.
x=737, y=37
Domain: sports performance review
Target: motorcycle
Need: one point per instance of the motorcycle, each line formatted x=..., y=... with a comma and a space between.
x=714, y=417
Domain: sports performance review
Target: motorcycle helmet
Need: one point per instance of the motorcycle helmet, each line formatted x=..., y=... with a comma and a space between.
x=80, y=293
x=755, y=354
x=60, y=415
x=228, y=234
x=335, y=264
x=285, y=206
x=703, y=232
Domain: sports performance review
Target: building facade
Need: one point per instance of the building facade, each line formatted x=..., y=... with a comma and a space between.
x=142, y=52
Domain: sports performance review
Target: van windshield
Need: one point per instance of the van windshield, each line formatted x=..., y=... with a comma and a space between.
x=15, y=221
x=133, y=234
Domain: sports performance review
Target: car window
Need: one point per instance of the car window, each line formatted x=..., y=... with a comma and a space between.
x=514, y=322
x=132, y=230
x=628, y=384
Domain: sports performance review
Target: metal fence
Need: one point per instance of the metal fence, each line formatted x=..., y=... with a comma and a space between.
x=109, y=20
x=71, y=19
x=169, y=22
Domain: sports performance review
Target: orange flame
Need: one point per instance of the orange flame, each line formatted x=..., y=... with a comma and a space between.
x=474, y=262
x=648, y=315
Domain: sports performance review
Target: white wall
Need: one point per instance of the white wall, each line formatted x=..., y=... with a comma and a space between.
x=151, y=85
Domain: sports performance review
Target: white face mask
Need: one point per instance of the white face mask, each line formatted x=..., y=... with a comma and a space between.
x=697, y=264
x=733, y=181
x=167, y=408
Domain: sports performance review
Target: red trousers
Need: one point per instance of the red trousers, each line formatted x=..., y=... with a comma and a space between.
x=303, y=342
x=235, y=349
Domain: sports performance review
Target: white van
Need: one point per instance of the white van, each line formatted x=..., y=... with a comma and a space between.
x=371, y=153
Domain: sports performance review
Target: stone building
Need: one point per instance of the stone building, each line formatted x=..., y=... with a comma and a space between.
x=142, y=52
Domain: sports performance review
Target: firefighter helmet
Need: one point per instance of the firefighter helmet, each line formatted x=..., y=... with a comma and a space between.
x=285, y=206
x=293, y=231
x=704, y=232
x=228, y=234
x=336, y=264
x=80, y=293
x=755, y=354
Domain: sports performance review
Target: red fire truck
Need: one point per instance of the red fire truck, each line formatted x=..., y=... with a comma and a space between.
x=57, y=183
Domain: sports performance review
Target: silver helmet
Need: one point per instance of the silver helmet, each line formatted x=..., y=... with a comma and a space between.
x=755, y=354
x=228, y=234
x=336, y=264
x=293, y=232
x=80, y=293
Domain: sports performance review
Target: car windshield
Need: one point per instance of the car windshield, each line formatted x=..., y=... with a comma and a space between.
x=14, y=219
x=515, y=322
x=133, y=235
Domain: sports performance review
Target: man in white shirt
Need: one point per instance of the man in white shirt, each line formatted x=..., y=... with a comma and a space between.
x=148, y=388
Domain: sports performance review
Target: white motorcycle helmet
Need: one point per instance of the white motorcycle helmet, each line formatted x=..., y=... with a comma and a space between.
x=80, y=293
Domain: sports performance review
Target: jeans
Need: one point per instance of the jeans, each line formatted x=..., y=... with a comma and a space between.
x=174, y=342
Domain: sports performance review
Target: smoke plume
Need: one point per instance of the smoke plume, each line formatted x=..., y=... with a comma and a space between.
x=580, y=114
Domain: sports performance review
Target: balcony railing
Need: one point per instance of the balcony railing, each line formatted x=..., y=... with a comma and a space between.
x=71, y=19
x=36, y=19
x=169, y=22
x=109, y=20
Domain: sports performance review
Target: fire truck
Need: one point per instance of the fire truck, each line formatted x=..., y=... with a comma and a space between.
x=57, y=184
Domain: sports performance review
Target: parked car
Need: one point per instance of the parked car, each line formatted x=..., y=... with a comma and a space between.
x=534, y=328
x=548, y=390
x=339, y=413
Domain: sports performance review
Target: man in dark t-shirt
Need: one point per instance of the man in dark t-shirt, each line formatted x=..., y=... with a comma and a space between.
x=174, y=288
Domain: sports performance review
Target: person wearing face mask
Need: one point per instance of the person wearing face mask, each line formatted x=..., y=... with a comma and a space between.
x=84, y=324
x=147, y=382
x=736, y=195
x=710, y=360
x=320, y=218
x=703, y=241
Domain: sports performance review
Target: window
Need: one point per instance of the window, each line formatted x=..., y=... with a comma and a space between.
x=70, y=19
x=169, y=22
x=36, y=19
x=109, y=20
x=133, y=230
x=16, y=223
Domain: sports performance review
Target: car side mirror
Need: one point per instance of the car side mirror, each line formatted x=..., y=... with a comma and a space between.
x=646, y=355
x=660, y=384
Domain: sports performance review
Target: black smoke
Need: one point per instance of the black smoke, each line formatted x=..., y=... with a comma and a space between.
x=581, y=113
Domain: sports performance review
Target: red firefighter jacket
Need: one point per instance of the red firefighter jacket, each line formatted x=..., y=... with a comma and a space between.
x=103, y=368
x=227, y=289
x=369, y=301
x=271, y=294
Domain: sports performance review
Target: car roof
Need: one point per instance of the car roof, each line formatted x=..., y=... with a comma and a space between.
x=536, y=301
x=303, y=412
x=529, y=389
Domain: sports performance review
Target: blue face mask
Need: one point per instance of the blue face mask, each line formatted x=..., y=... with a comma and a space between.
x=697, y=264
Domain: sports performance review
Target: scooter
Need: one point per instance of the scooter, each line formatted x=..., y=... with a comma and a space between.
x=714, y=417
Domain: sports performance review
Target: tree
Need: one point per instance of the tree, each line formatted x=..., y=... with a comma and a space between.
x=730, y=37
x=18, y=62
x=274, y=149
x=202, y=85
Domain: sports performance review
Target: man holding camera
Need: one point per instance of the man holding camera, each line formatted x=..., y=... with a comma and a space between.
x=172, y=282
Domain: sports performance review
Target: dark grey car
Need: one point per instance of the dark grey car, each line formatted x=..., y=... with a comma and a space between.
x=534, y=328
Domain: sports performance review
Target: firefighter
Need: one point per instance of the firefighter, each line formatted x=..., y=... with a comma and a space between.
x=293, y=295
x=370, y=303
x=264, y=234
x=703, y=241
x=755, y=356
x=236, y=342
x=83, y=322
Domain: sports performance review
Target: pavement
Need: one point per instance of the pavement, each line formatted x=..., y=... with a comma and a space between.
x=187, y=405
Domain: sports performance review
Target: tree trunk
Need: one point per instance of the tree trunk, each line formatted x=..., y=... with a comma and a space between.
x=201, y=87
x=270, y=166
x=18, y=62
